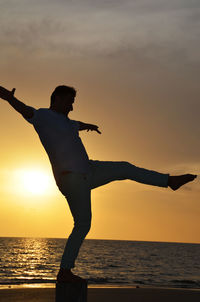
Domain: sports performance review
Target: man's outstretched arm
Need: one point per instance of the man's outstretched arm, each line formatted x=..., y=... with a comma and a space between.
x=20, y=107
x=83, y=126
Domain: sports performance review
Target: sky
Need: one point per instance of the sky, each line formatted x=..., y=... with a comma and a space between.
x=135, y=66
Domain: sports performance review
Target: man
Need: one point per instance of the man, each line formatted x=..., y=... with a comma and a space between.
x=74, y=173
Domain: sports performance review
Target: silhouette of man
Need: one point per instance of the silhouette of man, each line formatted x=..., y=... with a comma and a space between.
x=74, y=173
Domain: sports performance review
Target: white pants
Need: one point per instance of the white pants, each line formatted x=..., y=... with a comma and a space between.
x=76, y=187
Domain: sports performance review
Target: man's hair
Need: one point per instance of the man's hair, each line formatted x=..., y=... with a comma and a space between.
x=62, y=90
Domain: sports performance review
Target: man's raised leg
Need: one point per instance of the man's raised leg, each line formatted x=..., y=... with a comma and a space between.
x=104, y=172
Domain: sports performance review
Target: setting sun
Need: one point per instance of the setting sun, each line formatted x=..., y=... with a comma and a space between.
x=33, y=181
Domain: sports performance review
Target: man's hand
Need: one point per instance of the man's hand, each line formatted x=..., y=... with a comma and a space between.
x=26, y=111
x=6, y=94
x=83, y=126
x=93, y=128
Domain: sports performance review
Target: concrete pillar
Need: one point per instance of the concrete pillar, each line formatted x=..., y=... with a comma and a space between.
x=71, y=292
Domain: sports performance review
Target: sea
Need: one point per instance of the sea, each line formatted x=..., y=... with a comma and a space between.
x=36, y=261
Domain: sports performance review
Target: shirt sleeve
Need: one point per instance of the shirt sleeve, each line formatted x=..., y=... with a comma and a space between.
x=75, y=124
x=33, y=119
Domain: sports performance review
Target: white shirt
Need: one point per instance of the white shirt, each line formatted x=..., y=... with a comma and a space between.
x=60, y=138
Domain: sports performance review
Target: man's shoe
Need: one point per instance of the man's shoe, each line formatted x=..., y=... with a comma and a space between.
x=66, y=276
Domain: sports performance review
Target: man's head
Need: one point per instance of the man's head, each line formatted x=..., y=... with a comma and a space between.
x=62, y=99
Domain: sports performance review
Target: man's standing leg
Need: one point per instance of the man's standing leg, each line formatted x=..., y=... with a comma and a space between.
x=75, y=187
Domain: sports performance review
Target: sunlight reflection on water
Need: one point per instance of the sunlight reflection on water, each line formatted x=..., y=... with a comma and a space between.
x=36, y=261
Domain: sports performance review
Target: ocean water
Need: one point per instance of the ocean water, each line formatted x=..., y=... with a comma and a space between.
x=102, y=262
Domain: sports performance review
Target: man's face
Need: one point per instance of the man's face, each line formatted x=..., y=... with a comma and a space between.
x=64, y=103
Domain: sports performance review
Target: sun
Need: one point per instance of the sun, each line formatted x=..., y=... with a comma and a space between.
x=33, y=181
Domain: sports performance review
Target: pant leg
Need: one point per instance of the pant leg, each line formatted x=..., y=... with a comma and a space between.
x=103, y=172
x=75, y=187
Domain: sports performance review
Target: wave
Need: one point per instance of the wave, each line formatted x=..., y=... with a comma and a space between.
x=107, y=281
x=186, y=283
x=26, y=281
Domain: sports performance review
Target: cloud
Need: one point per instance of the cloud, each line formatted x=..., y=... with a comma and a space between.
x=105, y=28
x=151, y=43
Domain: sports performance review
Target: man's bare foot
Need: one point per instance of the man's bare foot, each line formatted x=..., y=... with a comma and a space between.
x=66, y=276
x=175, y=182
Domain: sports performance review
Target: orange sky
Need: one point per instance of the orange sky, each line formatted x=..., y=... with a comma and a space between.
x=136, y=68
